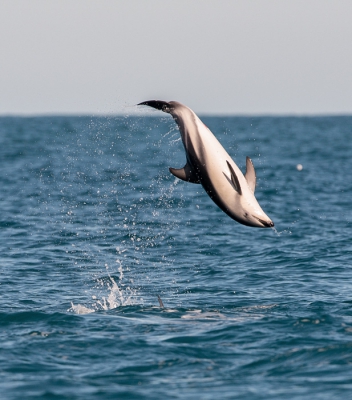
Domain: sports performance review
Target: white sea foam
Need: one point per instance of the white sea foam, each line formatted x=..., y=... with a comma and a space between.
x=79, y=309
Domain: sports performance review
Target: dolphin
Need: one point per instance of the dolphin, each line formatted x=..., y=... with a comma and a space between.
x=209, y=164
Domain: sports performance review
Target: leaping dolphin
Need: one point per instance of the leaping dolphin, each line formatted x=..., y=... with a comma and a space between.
x=209, y=164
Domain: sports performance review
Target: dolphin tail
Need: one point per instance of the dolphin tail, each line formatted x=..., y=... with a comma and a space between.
x=158, y=104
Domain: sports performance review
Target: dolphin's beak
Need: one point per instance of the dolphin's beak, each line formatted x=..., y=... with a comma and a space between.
x=266, y=224
x=158, y=104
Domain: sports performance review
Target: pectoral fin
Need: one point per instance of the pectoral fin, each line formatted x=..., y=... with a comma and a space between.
x=250, y=174
x=234, y=179
x=186, y=174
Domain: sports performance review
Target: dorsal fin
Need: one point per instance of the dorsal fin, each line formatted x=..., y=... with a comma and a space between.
x=234, y=179
x=250, y=174
x=186, y=174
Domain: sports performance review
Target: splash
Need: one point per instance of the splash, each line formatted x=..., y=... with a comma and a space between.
x=118, y=296
x=285, y=231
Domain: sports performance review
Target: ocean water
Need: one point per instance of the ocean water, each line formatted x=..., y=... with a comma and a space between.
x=93, y=228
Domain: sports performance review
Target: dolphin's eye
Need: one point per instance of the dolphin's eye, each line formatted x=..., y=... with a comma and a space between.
x=246, y=214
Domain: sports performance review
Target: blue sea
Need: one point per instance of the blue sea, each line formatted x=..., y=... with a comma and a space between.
x=93, y=228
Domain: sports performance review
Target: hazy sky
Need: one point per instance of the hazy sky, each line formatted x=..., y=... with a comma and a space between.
x=216, y=56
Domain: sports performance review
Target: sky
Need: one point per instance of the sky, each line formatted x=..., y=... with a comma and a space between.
x=241, y=57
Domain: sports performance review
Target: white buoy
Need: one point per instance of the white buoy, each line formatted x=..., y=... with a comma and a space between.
x=299, y=167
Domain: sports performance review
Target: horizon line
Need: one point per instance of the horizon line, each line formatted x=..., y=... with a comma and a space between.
x=156, y=113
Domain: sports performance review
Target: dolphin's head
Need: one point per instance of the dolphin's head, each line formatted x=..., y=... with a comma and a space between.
x=256, y=218
x=245, y=209
x=158, y=104
x=242, y=205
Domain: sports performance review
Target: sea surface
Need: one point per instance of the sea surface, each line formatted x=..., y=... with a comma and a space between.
x=93, y=228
